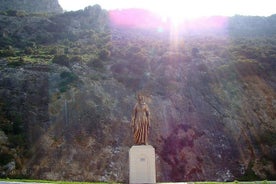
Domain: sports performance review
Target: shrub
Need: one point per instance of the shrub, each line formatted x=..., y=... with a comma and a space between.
x=5, y=40
x=249, y=174
x=104, y=54
x=18, y=140
x=44, y=38
x=53, y=51
x=5, y=158
x=21, y=13
x=29, y=51
x=7, y=52
x=66, y=79
x=95, y=63
x=195, y=52
x=268, y=138
x=57, y=51
x=76, y=59
x=16, y=63
x=62, y=60
x=11, y=12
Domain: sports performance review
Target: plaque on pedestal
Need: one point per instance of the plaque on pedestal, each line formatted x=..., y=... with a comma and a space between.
x=142, y=164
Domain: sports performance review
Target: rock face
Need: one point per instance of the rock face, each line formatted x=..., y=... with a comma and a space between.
x=66, y=102
x=31, y=6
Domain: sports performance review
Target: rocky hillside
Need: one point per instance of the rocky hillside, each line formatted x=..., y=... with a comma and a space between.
x=68, y=84
x=31, y=6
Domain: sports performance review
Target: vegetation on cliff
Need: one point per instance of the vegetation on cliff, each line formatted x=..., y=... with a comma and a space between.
x=34, y=6
x=68, y=84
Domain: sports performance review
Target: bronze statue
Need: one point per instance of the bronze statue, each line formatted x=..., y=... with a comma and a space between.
x=140, y=121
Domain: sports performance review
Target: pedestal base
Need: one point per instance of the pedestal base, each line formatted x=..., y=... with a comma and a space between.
x=142, y=164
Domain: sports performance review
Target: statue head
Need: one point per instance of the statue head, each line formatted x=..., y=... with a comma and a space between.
x=140, y=97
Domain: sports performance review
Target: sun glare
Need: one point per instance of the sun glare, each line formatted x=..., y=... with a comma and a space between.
x=183, y=9
x=178, y=11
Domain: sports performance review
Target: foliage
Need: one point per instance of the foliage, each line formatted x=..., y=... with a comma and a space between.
x=269, y=138
x=67, y=78
x=52, y=182
x=195, y=52
x=95, y=63
x=76, y=59
x=61, y=60
x=16, y=63
x=251, y=26
x=104, y=54
x=44, y=37
x=18, y=139
x=4, y=41
x=57, y=51
x=249, y=174
x=234, y=182
x=12, y=124
x=30, y=6
x=5, y=158
x=18, y=13
x=29, y=51
x=10, y=51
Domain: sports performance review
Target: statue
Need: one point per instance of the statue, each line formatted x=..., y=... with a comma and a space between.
x=140, y=121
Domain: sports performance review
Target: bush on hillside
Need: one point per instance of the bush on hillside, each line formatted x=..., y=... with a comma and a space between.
x=66, y=79
x=62, y=60
x=8, y=52
x=104, y=54
x=29, y=51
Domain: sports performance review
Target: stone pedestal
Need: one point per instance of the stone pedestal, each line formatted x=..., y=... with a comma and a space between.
x=142, y=164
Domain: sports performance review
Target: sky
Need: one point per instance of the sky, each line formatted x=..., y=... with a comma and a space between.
x=182, y=8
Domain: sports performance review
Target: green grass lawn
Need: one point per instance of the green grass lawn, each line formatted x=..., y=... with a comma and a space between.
x=48, y=181
x=239, y=182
